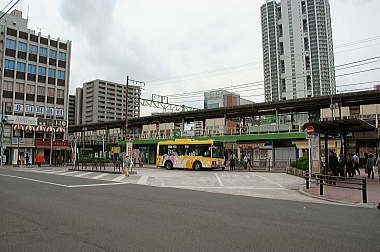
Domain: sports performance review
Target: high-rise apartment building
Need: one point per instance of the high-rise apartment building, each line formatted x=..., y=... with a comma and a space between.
x=297, y=49
x=71, y=110
x=101, y=101
x=35, y=72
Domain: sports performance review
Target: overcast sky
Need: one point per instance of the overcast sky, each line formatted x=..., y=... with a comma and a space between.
x=178, y=46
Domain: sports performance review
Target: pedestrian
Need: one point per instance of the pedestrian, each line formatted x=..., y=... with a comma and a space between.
x=141, y=162
x=128, y=163
x=365, y=162
x=370, y=165
x=245, y=160
x=341, y=165
x=355, y=160
x=349, y=165
x=27, y=159
x=232, y=162
x=333, y=166
x=249, y=159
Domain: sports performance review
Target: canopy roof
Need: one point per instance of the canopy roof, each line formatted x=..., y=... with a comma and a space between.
x=340, y=126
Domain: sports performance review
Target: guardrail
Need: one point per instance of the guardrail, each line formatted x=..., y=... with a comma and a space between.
x=337, y=181
x=98, y=167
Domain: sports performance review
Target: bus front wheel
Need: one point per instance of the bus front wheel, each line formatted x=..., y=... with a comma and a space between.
x=168, y=165
x=197, y=166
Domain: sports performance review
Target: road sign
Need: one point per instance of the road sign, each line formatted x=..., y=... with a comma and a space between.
x=310, y=130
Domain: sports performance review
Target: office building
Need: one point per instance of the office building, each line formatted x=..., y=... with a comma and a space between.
x=35, y=71
x=297, y=49
x=71, y=110
x=102, y=101
x=223, y=98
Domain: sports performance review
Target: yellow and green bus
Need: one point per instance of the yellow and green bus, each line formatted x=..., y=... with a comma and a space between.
x=190, y=154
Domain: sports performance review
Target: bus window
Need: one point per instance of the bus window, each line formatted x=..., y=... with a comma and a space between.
x=163, y=150
x=217, y=151
x=205, y=150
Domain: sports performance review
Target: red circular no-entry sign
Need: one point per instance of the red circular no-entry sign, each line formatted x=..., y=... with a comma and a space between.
x=310, y=130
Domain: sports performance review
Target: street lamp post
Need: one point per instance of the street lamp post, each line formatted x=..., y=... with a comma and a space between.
x=2, y=133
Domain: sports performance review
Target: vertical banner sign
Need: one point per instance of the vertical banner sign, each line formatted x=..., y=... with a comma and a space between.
x=129, y=150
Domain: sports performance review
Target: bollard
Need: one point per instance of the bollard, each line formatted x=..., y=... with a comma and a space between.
x=321, y=185
x=364, y=189
x=307, y=180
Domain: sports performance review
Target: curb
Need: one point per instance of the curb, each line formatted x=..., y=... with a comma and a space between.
x=344, y=203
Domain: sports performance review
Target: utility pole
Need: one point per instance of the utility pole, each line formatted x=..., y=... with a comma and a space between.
x=2, y=133
x=135, y=82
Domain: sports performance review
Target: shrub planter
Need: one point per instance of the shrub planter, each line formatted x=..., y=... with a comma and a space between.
x=296, y=172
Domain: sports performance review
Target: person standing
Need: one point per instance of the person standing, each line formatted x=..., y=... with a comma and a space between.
x=355, y=160
x=370, y=165
x=349, y=165
x=232, y=161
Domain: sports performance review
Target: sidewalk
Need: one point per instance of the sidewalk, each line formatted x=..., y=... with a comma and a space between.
x=345, y=195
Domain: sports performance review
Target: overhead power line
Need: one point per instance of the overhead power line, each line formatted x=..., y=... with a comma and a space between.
x=1, y=17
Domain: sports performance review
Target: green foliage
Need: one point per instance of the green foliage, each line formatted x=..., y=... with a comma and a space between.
x=302, y=163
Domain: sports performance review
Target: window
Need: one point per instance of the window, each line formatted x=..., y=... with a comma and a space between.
x=53, y=54
x=50, y=92
x=19, y=87
x=51, y=73
x=62, y=56
x=43, y=51
x=7, y=86
x=41, y=91
x=60, y=93
x=42, y=71
x=18, y=107
x=59, y=112
x=11, y=44
x=32, y=69
x=50, y=111
x=22, y=46
x=30, y=89
x=33, y=49
x=40, y=110
x=21, y=67
x=61, y=74
x=9, y=64
x=29, y=108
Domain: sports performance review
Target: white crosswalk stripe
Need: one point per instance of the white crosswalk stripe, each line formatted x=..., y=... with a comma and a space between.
x=119, y=178
x=83, y=174
x=100, y=176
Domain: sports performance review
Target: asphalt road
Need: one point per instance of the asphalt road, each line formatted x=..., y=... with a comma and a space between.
x=38, y=216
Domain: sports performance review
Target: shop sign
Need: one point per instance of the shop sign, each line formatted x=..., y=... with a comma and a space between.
x=24, y=120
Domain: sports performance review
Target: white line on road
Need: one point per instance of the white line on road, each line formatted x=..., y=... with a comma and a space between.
x=230, y=187
x=34, y=180
x=219, y=180
x=67, y=173
x=143, y=180
x=119, y=178
x=82, y=174
x=270, y=181
x=100, y=176
x=93, y=185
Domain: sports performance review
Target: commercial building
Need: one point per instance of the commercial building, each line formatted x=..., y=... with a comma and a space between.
x=71, y=110
x=101, y=101
x=297, y=49
x=35, y=71
x=223, y=98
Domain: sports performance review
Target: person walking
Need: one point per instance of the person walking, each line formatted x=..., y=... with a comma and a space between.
x=355, y=160
x=232, y=162
x=370, y=165
x=245, y=160
x=377, y=167
x=349, y=166
x=341, y=165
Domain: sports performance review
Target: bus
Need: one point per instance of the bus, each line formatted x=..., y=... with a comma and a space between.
x=190, y=154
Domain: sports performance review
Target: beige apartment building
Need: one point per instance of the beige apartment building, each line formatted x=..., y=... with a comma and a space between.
x=100, y=101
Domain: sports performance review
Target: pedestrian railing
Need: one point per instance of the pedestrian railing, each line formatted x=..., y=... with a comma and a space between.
x=98, y=167
x=338, y=181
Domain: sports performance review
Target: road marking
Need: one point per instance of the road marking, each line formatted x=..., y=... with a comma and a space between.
x=219, y=180
x=119, y=178
x=270, y=181
x=82, y=174
x=143, y=180
x=100, y=176
x=67, y=173
x=230, y=187
x=34, y=180
x=93, y=185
